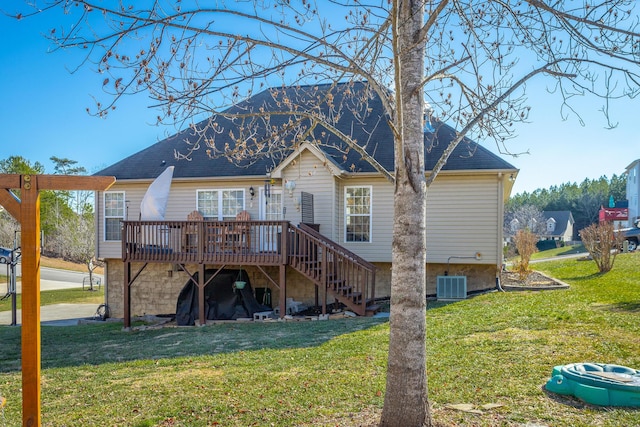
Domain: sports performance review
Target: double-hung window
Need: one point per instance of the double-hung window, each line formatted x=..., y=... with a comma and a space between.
x=220, y=204
x=114, y=212
x=357, y=204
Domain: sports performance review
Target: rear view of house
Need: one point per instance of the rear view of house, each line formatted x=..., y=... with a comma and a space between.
x=311, y=224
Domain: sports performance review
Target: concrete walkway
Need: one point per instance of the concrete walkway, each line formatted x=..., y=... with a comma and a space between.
x=54, y=314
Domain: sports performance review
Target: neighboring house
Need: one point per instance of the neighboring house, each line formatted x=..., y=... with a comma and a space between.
x=348, y=203
x=559, y=226
x=633, y=190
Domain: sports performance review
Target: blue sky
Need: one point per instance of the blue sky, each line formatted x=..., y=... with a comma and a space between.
x=43, y=114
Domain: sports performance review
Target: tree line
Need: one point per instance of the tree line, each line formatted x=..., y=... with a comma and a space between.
x=66, y=217
x=583, y=200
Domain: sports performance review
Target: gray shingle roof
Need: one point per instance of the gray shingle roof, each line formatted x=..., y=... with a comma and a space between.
x=562, y=218
x=368, y=123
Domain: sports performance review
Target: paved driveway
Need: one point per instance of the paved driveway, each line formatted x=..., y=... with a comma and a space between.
x=55, y=314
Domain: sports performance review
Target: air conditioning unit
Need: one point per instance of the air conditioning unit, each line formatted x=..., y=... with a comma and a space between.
x=451, y=287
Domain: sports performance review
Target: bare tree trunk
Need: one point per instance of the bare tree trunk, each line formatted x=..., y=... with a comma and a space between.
x=406, y=402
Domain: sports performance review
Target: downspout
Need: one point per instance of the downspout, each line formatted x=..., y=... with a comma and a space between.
x=499, y=231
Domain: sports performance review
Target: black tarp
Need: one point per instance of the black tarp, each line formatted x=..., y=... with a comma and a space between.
x=222, y=300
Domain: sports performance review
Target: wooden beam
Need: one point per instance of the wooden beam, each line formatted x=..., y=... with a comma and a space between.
x=10, y=202
x=8, y=180
x=74, y=182
x=60, y=182
x=30, y=246
x=27, y=211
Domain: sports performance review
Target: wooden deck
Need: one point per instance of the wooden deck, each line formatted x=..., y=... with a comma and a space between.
x=342, y=274
x=208, y=242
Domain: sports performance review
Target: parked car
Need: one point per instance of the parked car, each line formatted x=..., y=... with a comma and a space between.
x=5, y=255
x=632, y=236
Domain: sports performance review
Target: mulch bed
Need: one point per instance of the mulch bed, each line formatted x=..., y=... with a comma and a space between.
x=534, y=281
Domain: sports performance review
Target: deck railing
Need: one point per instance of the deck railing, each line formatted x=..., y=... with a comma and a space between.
x=345, y=275
x=226, y=242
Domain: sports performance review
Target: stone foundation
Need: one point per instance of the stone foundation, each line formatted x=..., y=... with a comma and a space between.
x=480, y=277
x=156, y=289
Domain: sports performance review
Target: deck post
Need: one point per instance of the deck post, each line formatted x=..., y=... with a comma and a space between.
x=127, y=295
x=201, y=282
x=284, y=248
x=324, y=301
x=282, y=301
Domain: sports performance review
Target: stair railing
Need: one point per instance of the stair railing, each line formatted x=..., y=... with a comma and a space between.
x=346, y=276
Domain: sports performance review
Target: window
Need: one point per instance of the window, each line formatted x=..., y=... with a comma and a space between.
x=114, y=210
x=357, y=205
x=232, y=203
x=220, y=204
x=551, y=225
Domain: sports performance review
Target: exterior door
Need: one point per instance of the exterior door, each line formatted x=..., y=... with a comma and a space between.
x=270, y=210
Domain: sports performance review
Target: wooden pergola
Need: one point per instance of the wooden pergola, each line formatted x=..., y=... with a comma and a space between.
x=26, y=210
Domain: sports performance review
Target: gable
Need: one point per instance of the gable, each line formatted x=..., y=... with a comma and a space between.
x=561, y=219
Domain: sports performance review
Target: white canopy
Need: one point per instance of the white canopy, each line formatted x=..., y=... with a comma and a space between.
x=154, y=202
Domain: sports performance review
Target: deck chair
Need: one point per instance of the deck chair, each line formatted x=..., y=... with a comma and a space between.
x=190, y=243
x=238, y=236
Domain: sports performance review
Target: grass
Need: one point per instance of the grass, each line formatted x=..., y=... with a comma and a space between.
x=493, y=348
x=565, y=250
x=57, y=263
x=552, y=253
x=67, y=265
x=73, y=296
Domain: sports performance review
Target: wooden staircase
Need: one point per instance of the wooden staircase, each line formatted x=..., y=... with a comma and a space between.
x=343, y=275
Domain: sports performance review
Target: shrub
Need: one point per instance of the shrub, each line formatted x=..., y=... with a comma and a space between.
x=525, y=242
x=602, y=243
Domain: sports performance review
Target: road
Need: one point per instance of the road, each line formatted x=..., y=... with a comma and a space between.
x=52, y=278
x=56, y=314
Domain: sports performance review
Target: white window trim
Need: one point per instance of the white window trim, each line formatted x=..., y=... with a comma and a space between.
x=105, y=217
x=219, y=191
x=344, y=209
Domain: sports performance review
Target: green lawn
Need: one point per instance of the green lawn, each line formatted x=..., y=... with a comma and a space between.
x=565, y=250
x=73, y=295
x=493, y=348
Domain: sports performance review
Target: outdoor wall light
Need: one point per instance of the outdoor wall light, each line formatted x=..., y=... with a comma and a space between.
x=252, y=192
x=290, y=186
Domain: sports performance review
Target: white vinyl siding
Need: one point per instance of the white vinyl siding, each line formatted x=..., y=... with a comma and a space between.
x=114, y=212
x=357, y=214
x=182, y=201
x=462, y=218
x=381, y=218
x=462, y=210
x=311, y=176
